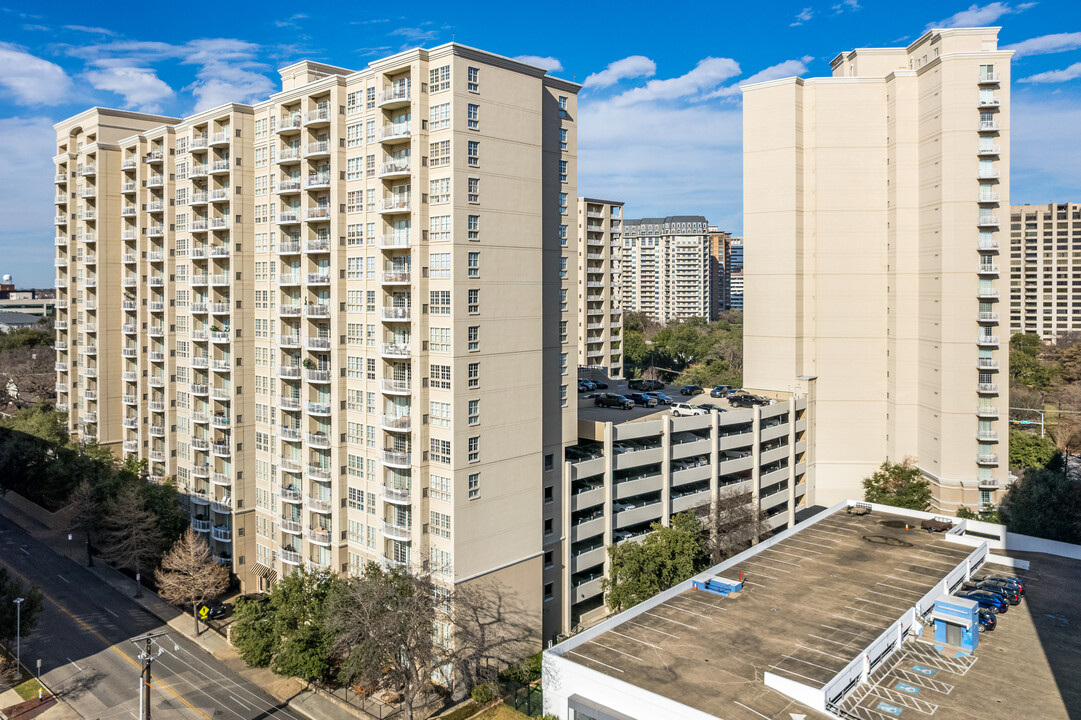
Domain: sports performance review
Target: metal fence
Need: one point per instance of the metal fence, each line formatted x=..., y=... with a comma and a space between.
x=526, y=699
x=372, y=707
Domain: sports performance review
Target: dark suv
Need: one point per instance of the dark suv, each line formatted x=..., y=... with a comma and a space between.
x=644, y=384
x=691, y=390
x=746, y=401
x=991, y=600
x=613, y=400
x=643, y=399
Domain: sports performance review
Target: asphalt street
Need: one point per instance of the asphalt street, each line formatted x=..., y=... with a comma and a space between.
x=83, y=640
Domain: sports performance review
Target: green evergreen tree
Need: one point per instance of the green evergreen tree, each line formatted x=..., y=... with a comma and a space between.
x=667, y=556
x=898, y=484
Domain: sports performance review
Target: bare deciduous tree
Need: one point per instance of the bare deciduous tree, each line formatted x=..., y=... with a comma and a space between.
x=189, y=574
x=489, y=632
x=735, y=523
x=131, y=538
x=87, y=516
x=27, y=375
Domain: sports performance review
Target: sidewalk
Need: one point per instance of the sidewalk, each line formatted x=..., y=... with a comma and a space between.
x=290, y=691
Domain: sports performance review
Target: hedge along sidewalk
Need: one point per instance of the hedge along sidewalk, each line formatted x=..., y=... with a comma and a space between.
x=308, y=701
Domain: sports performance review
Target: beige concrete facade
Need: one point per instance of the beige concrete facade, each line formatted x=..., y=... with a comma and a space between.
x=666, y=267
x=600, y=307
x=871, y=205
x=1045, y=270
x=345, y=327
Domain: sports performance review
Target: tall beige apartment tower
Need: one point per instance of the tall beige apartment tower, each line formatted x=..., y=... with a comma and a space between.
x=871, y=210
x=1045, y=270
x=600, y=308
x=666, y=267
x=340, y=318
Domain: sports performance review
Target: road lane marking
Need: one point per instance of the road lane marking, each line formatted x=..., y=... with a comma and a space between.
x=108, y=644
x=63, y=578
x=111, y=613
x=75, y=664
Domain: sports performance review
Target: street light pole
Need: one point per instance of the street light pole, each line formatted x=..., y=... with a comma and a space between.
x=18, y=635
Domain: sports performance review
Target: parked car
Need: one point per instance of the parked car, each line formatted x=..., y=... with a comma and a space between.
x=987, y=620
x=586, y=386
x=644, y=384
x=662, y=399
x=720, y=391
x=600, y=384
x=712, y=408
x=212, y=610
x=1012, y=594
x=576, y=453
x=686, y=409
x=613, y=400
x=1009, y=580
x=986, y=599
x=934, y=525
x=858, y=510
x=747, y=400
x=691, y=390
x=643, y=399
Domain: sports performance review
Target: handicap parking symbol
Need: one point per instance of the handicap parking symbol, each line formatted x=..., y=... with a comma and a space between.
x=905, y=687
x=924, y=670
x=887, y=708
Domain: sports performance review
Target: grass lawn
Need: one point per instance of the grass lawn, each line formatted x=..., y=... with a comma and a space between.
x=28, y=689
x=503, y=712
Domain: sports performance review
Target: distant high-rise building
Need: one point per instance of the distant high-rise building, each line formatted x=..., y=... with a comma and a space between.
x=733, y=283
x=725, y=258
x=600, y=309
x=341, y=318
x=666, y=267
x=1045, y=270
x=871, y=204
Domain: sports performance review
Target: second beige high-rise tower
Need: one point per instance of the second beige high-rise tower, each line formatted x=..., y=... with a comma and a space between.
x=871, y=204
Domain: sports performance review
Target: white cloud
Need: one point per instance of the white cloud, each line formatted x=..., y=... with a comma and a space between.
x=30, y=79
x=550, y=64
x=1046, y=44
x=141, y=88
x=220, y=83
x=706, y=75
x=802, y=16
x=91, y=30
x=416, y=34
x=788, y=68
x=629, y=67
x=26, y=199
x=977, y=16
x=1054, y=76
x=844, y=5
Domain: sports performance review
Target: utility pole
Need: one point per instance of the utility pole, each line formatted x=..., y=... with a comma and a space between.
x=18, y=634
x=147, y=656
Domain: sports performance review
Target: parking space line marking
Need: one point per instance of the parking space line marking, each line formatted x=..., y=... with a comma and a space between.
x=793, y=672
x=913, y=572
x=647, y=627
x=676, y=622
x=861, y=622
x=908, y=580
x=704, y=604
x=63, y=578
x=819, y=528
x=808, y=662
x=759, y=562
x=793, y=541
x=889, y=595
x=111, y=613
x=898, y=589
x=875, y=602
x=761, y=575
x=783, y=562
x=859, y=634
x=845, y=645
x=748, y=582
x=869, y=612
x=594, y=642
x=737, y=702
x=823, y=652
x=689, y=612
x=657, y=647
x=610, y=667
x=774, y=549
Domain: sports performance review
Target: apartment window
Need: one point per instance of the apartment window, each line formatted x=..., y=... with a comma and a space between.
x=369, y=165
x=354, y=268
x=474, y=449
x=473, y=301
x=439, y=265
x=563, y=363
x=440, y=377
x=474, y=486
x=354, y=169
x=473, y=154
x=473, y=334
x=439, y=191
x=562, y=106
x=439, y=154
x=354, y=135
x=354, y=235
x=563, y=268
x=369, y=95
x=473, y=192
x=354, y=201
x=472, y=79
x=352, y=103
x=439, y=339
x=563, y=331
x=562, y=138
x=439, y=302
x=473, y=226
x=439, y=228
x=439, y=451
x=563, y=202
x=562, y=236
x=439, y=79
x=563, y=299
x=439, y=488
x=354, y=334
x=473, y=376
x=563, y=396
x=439, y=116
x=439, y=413
x=440, y=524
x=474, y=412
x=472, y=264
x=562, y=171
x=369, y=130
x=371, y=296
x=472, y=115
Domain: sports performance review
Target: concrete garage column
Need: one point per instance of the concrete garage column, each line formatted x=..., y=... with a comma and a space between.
x=756, y=456
x=570, y=472
x=791, y=461
x=609, y=491
x=714, y=462
x=666, y=470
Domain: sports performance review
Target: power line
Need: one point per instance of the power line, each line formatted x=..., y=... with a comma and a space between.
x=147, y=656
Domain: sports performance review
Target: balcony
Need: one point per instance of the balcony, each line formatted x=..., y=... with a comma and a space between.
x=155, y=231
x=60, y=220
x=987, y=388
x=199, y=390
x=220, y=138
x=220, y=336
x=289, y=248
x=394, y=132
x=292, y=527
x=319, y=537
x=397, y=532
x=198, y=170
x=61, y=178
x=988, y=150
x=319, y=116
x=221, y=479
x=987, y=459
x=289, y=403
x=397, y=496
x=222, y=422
x=987, y=411
x=393, y=97
x=318, y=409
x=200, y=418
x=218, y=308
x=398, y=204
x=223, y=504
x=988, y=245
x=394, y=458
x=222, y=533
x=201, y=444
x=291, y=495
x=318, y=376
x=90, y=417
x=988, y=78
x=319, y=440
x=289, y=218
x=317, y=213
x=61, y=241
x=988, y=126
x=987, y=269
x=291, y=557
x=90, y=350
x=156, y=406
x=320, y=505
x=219, y=166
x=220, y=449
x=289, y=341
x=987, y=197
x=394, y=314
x=155, y=181
x=987, y=340
x=156, y=456
x=290, y=310
x=987, y=221
x=987, y=435
x=399, y=167
x=314, y=310
x=317, y=149
x=290, y=154
x=221, y=393
x=396, y=387
x=129, y=376
x=396, y=277
x=200, y=525
x=985, y=293
x=157, y=431
x=289, y=185
x=87, y=170
x=60, y=346
x=395, y=350
x=87, y=215
x=318, y=246
x=156, y=331
x=90, y=372
x=318, y=343
x=90, y=395
x=394, y=241
x=987, y=364
x=397, y=423
x=988, y=317
x=289, y=372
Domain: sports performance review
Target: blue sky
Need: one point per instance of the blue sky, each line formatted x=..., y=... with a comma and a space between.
x=659, y=117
